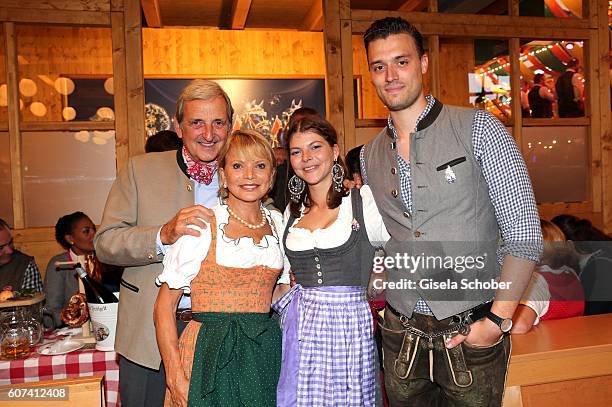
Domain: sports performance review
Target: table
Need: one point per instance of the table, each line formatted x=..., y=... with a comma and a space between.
x=80, y=363
x=563, y=362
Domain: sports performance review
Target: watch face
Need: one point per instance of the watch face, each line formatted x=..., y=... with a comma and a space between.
x=506, y=325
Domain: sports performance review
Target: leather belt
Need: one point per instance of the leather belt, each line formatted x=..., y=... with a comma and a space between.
x=184, y=315
x=466, y=317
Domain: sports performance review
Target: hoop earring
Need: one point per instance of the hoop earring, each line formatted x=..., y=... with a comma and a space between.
x=296, y=188
x=337, y=176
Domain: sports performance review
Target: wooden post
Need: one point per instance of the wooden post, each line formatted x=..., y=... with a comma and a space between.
x=128, y=77
x=12, y=76
x=134, y=77
x=433, y=53
x=433, y=45
x=120, y=89
x=605, y=121
x=339, y=70
x=515, y=90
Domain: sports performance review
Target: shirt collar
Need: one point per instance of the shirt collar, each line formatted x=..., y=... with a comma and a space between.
x=433, y=106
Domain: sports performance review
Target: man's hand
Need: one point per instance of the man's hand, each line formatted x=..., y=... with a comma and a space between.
x=178, y=225
x=483, y=332
x=178, y=385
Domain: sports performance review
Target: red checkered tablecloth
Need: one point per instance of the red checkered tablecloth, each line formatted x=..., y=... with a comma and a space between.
x=75, y=364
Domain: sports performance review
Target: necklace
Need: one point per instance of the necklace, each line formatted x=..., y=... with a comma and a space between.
x=261, y=224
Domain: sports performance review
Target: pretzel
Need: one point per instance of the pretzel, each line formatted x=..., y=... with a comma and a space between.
x=75, y=313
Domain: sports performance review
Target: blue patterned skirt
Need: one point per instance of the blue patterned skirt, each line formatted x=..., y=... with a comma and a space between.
x=329, y=353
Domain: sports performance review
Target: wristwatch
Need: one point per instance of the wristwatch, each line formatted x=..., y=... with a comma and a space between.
x=505, y=324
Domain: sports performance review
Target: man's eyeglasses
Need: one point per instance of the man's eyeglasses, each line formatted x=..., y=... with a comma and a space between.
x=197, y=124
x=8, y=244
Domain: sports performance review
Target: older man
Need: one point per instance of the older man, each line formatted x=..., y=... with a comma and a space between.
x=151, y=204
x=17, y=269
x=448, y=182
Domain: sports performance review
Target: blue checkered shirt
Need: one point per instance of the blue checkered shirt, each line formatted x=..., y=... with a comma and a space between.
x=31, y=278
x=509, y=185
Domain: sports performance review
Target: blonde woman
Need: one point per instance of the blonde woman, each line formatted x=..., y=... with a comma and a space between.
x=230, y=352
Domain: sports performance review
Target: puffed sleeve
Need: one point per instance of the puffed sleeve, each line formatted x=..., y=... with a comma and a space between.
x=183, y=260
x=277, y=218
x=537, y=296
x=375, y=227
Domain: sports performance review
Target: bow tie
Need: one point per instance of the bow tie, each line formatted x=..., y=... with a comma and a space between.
x=200, y=172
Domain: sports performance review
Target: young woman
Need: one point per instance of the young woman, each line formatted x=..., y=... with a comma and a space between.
x=328, y=344
x=229, y=354
x=75, y=233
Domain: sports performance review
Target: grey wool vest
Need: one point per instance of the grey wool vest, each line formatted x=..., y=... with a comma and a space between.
x=451, y=218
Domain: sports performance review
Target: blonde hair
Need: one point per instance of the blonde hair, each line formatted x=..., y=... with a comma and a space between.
x=246, y=144
x=551, y=232
x=558, y=251
x=202, y=89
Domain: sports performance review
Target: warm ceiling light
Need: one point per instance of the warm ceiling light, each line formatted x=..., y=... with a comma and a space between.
x=570, y=45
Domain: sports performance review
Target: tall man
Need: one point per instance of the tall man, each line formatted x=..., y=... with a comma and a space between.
x=446, y=180
x=541, y=98
x=570, y=91
x=150, y=205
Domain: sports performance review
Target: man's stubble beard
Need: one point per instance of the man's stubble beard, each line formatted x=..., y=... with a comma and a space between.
x=405, y=103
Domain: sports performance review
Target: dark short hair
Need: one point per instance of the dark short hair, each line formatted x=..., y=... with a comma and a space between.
x=164, y=140
x=65, y=226
x=352, y=160
x=324, y=129
x=572, y=63
x=538, y=77
x=301, y=113
x=381, y=29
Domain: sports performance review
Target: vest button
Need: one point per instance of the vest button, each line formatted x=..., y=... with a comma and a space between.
x=150, y=256
x=189, y=188
x=394, y=193
x=319, y=274
x=320, y=281
x=406, y=215
x=318, y=266
x=417, y=234
x=393, y=170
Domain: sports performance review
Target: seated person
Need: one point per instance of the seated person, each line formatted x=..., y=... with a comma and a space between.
x=596, y=264
x=554, y=291
x=75, y=233
x=17, y=270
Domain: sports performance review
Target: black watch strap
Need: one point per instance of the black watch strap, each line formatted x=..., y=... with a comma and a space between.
x=505, y=324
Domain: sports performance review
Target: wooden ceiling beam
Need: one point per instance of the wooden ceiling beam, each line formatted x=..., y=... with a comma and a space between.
x=152, y=13
x=314, y=18
x=413, y=5
x=240, y=12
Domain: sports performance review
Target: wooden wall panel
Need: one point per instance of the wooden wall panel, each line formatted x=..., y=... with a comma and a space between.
x=372, y=107
x=213, y=53
x=3, y=89
x=456, y=61
x=48, y=52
